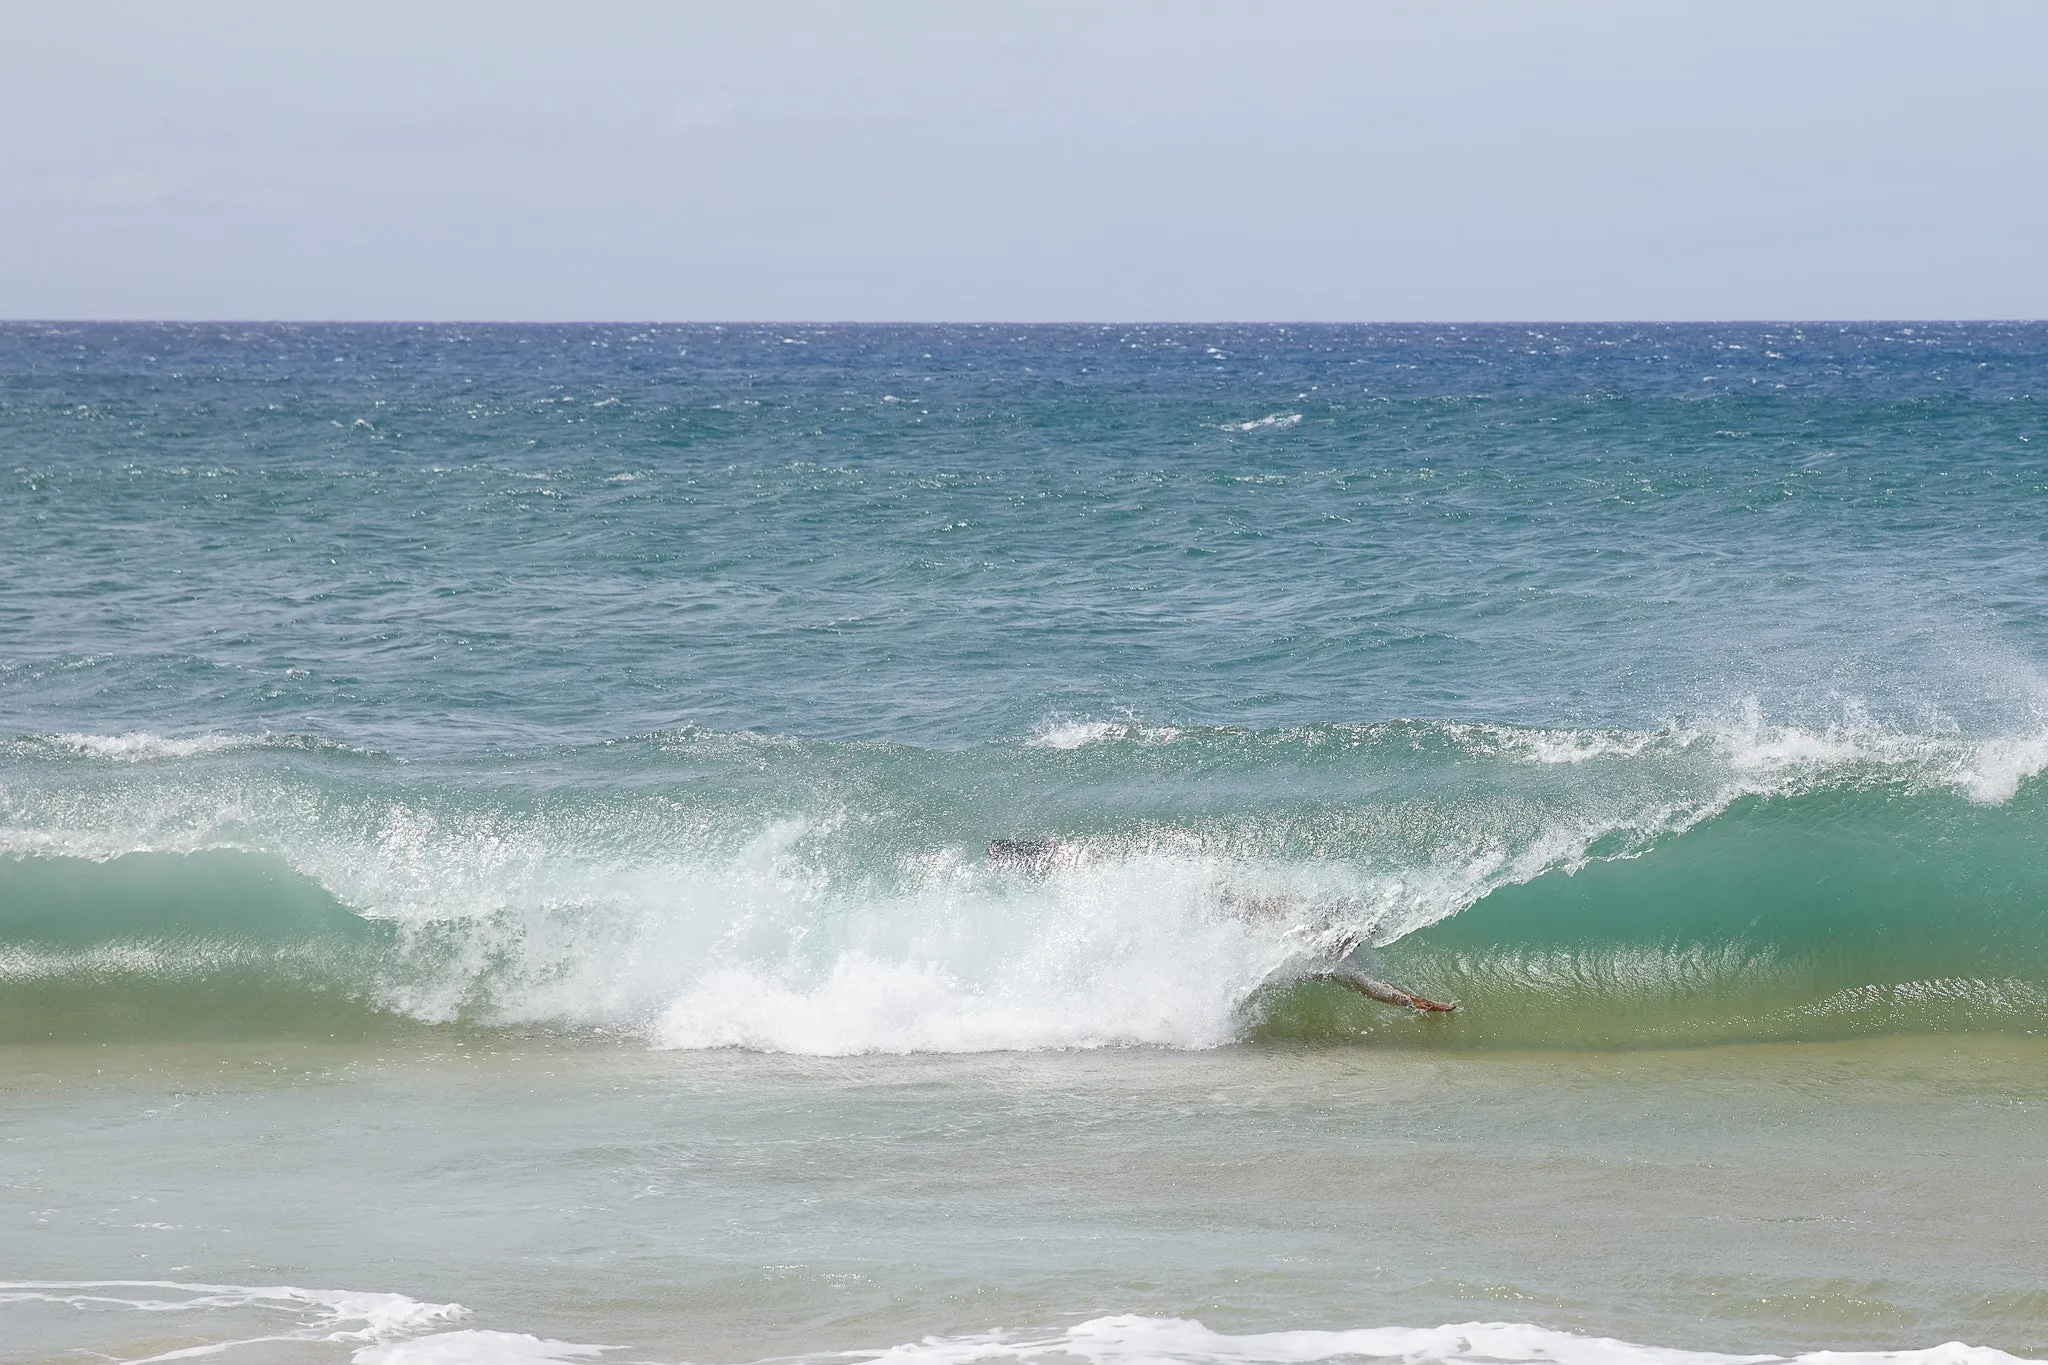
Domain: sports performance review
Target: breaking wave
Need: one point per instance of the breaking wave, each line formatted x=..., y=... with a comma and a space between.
x=699, y=889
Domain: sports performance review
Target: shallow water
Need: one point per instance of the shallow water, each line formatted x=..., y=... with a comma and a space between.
x=495, y=822
x=730, y=1206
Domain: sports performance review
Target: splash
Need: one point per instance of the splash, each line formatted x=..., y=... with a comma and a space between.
x=1276, y=421
x=702, y=890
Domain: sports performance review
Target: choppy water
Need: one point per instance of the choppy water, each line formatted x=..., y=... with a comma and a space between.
x=615, y=694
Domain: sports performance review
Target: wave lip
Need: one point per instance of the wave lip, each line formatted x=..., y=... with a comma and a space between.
x=1748, y=755
x=140, y=746
x=1075, y=734
x=144, y=746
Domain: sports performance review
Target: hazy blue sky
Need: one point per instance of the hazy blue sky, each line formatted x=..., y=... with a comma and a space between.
x=1443, y=160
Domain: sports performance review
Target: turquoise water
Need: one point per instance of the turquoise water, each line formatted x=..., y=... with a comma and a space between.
x=388, y=712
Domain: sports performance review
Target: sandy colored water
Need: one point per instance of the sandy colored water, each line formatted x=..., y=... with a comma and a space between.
x=731, y=1206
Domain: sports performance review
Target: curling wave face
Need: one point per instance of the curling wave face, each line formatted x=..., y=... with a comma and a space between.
x=701, y=889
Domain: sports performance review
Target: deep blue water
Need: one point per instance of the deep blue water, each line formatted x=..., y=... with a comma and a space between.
x=436, y=539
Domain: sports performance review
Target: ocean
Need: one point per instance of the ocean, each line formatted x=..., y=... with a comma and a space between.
x=496, y=821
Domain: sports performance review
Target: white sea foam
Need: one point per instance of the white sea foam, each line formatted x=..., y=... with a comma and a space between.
x=476, y=1346
x=1997, y=768
x=1075, y=734
x=1986, y=771
x=143, y=747
x=870, y=1005
x=1761, y=758
x=328, y=1315
x=702, y=927
x=1272, y=421
x=391, y=1329
x=1134, y=1340
x=1571, y=747
x=1119, y=952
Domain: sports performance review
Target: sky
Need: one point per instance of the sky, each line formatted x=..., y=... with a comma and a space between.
x=1288, y=160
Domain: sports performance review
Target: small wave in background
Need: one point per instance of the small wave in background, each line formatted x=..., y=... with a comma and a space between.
x=391, y=1329
x=1130, y=1340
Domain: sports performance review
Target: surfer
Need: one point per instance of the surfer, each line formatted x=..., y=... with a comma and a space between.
x=1355, y=964
x=1354, y=970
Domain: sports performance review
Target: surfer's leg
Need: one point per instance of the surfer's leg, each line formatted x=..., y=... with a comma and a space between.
x=1391, y=995
x=1349, y=973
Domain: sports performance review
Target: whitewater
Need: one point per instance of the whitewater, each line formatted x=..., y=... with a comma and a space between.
x=836, y=899
x=496, y=826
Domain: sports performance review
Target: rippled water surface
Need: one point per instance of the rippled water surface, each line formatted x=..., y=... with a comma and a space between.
x=495, y=842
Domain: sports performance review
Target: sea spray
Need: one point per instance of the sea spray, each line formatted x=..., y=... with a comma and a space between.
x=501, y=815
x=707, y=890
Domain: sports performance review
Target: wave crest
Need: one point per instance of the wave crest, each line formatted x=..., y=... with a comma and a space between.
x=698, y=890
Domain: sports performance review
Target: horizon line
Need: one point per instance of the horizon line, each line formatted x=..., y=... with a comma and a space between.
x=1000, y=322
